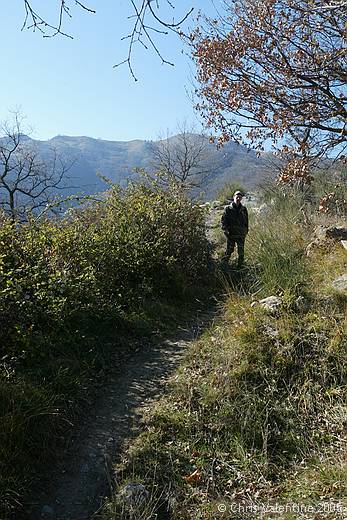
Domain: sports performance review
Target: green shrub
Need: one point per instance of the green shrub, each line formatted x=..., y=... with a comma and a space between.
x=65, y=286
x=304, y=201
x=105, y=258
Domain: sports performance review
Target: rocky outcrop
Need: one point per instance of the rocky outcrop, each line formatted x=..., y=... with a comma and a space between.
x=324, y=237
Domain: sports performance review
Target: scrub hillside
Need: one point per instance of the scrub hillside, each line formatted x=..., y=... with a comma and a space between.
x=253, y=422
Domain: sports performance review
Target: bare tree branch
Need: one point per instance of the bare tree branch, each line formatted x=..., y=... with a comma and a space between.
x=142, y=30
x=27, y=181
x=180, y=159
x=34, y=21
x=331, y=7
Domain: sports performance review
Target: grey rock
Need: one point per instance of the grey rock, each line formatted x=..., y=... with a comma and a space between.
x=340, y=284
x=344, y=243
x=134, y=494
x=271, y=303
x=323, y=237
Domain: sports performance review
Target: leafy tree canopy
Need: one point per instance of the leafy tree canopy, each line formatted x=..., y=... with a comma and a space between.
x=275, y=69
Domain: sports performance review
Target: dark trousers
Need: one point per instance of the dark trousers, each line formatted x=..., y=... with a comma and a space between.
x=240, y=241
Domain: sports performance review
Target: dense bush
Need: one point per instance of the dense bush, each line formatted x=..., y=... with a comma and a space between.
x=327, y=193
x=61, y=281
x=103, y=258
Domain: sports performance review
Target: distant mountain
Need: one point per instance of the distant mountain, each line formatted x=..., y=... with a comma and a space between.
x=116, y=160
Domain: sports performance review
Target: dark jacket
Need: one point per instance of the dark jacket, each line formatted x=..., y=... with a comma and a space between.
x=235, y=220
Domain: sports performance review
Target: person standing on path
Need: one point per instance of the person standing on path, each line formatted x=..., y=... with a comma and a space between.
x=235, y=226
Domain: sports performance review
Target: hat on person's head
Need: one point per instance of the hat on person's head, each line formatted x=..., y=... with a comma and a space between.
x=238, y=193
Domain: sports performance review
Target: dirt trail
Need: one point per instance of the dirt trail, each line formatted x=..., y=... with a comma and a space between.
x=80, y=482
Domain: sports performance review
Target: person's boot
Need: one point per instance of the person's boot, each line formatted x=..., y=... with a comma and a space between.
x=240, y=263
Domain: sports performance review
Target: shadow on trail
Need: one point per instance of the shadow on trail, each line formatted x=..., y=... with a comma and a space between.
x=77, y=485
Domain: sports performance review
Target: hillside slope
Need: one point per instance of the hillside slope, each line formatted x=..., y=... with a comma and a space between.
x=116, y=161
x=253, y=423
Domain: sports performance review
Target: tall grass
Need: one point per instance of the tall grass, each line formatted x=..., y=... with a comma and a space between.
x=276, y=245
x=259, y=395
x=256, y=396
x=276, y=250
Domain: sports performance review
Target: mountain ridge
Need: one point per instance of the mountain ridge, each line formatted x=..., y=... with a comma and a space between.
x=116, y=160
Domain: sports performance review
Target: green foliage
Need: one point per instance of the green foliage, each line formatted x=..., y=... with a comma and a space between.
x=286, y=200
x=107, y=257
x=67, y=289
x=321, y=478
x=326, y=181
x=278, y=239
x=29, y=416
x=305, y=200
x=330, y=192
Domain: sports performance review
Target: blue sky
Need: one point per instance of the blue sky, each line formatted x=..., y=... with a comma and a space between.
x=69, y=86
